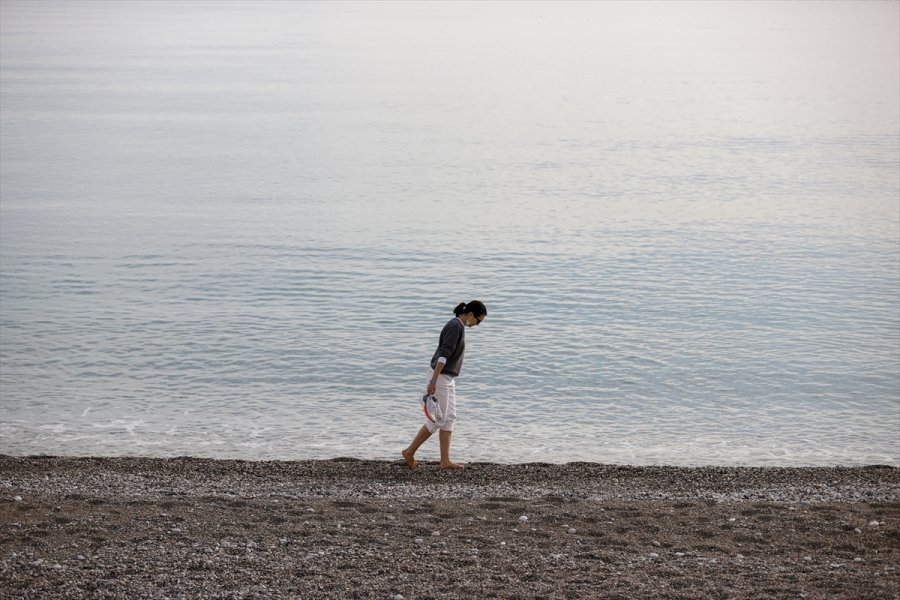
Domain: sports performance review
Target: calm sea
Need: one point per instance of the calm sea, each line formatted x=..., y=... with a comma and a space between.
x=235, y=229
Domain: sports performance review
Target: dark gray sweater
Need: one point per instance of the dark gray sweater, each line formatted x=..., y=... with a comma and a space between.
x=451, y=346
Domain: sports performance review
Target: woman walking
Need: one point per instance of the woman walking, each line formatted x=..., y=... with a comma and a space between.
x=445, y=367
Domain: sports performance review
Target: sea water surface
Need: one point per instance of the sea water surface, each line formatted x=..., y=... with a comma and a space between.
x=235, y=229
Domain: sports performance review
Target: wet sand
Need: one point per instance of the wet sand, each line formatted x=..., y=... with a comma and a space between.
x=345, y=528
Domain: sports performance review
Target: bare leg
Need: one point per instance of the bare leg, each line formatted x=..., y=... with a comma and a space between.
x=445, y=451
x=410, y=453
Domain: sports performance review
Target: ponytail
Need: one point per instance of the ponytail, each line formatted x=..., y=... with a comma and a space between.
x=476, y=307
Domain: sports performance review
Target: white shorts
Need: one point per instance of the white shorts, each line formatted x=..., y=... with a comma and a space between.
x=445, y=392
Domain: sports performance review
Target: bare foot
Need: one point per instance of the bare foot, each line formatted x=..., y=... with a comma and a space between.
x=409, y=459
x=452, y=466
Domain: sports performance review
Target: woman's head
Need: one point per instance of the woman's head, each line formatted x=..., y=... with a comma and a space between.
x=474, y=311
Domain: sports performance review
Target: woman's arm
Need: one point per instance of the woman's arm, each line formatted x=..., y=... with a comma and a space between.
x=432, y=385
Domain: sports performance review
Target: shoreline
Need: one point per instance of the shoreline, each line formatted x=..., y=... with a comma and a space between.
x=352, y=528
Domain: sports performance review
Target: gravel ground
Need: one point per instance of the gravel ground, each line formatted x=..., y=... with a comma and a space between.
x=345, y=528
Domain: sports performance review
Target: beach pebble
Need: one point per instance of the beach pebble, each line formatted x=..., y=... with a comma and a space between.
x=398, y=597
x=18, y=498
x=230, y=548
x=871, y=523
x=572, y=530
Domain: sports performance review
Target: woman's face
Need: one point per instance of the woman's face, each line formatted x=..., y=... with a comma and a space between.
x=471, y=320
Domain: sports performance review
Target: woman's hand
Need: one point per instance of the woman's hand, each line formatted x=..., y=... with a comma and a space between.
x=431, y=388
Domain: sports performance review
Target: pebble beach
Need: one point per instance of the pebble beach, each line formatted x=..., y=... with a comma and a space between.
x=348, y=528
